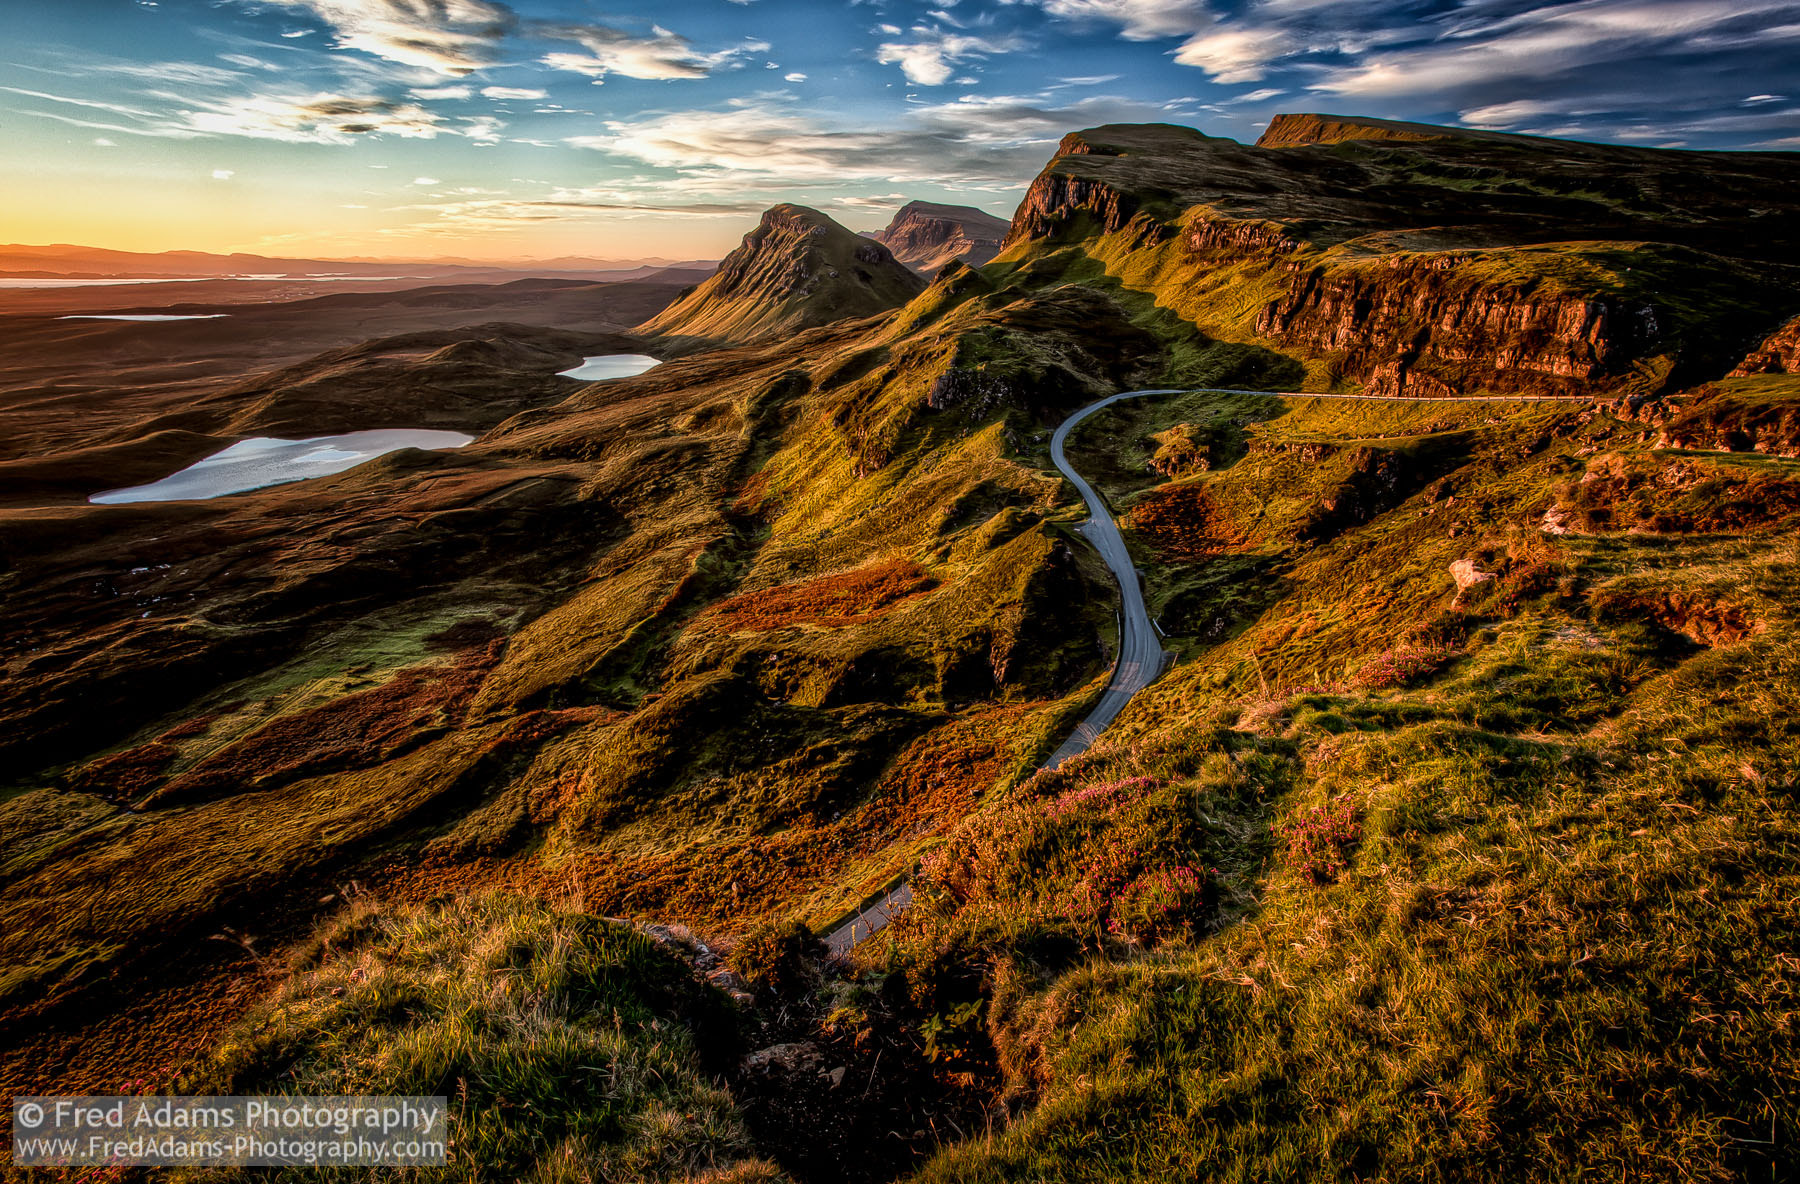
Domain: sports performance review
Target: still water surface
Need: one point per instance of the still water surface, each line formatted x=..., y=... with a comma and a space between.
x=262, y=461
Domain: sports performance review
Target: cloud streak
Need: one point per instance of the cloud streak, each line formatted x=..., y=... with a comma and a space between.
x=1505, y=63
x=931, y=56
x=996, y=142
x=661, y=56
x=450, y=37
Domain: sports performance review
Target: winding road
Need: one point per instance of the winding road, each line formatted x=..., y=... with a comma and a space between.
x=1141, y=654
x=1140, y=658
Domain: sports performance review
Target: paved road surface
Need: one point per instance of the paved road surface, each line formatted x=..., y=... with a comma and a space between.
x=1140, y=647
x=1140, y=657
x=1231, y=390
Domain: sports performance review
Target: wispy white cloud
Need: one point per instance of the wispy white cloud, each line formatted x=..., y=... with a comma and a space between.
x=92, y=104
x=993, y=141
x=1237, y=54
x=316, y=119
x=1493, y=59
x=247, y=61
x=1139, y=20
x=1554, y=40
x=453, y=37
x=931, y=55
x=168, y=73
x=661, y=55
x=512, y=92
x=456, y=38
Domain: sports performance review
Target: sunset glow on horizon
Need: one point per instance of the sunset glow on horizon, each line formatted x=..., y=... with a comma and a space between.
x=471, y=128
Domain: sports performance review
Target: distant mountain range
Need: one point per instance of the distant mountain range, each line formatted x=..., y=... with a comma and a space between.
x=65, y=260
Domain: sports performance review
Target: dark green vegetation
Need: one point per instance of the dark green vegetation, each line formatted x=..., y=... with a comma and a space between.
x=1459, y=843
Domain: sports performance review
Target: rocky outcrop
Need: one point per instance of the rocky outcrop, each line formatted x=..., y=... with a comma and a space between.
x=1772, y=428
x=796, y=270
x=1231, y=236
x=1467, y=575
x=1778, y=354
x=1701, y=615
x=925, y=236
x=1182, y=451
x=1421, y=325
x=1055, y=197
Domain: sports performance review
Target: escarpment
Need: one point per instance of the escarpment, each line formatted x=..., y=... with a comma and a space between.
x=1778, y=354
x=1407, y=259
x=1055, y=198
x=927, y=236
x=1420, y=325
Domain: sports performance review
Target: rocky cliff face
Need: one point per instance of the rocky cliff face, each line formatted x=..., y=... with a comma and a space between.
x=925, y=236
x=797, y=269
x=1433, y=261
x=1420, y=325
x=1778, y=354
x=1055, y=197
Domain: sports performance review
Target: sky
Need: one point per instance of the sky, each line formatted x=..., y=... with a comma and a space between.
x=549, y=128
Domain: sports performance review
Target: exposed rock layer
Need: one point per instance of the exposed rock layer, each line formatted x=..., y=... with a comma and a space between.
x=1418, y=325
x=1778, y=354
x=925, y=236
x=1420, y=260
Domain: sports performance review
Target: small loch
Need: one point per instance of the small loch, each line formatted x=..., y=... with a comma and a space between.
x=598, y=369
x=262, y=461
x=148, y=316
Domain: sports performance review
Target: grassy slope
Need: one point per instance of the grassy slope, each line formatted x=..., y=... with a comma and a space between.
x=1387, y=880
x=572, y=1047
x=557, y=709
x=1503, y=886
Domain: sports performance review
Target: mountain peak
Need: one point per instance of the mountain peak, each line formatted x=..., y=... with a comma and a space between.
x=926, y=235
x=797, y=269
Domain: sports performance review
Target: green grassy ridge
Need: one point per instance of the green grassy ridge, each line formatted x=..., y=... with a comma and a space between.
x=668, y=464
x=569, y=1047
x=1241, y=1044
x=796, y=270
x=1564, y=940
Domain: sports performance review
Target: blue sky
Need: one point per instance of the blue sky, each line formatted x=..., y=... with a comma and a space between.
x=551, y=127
